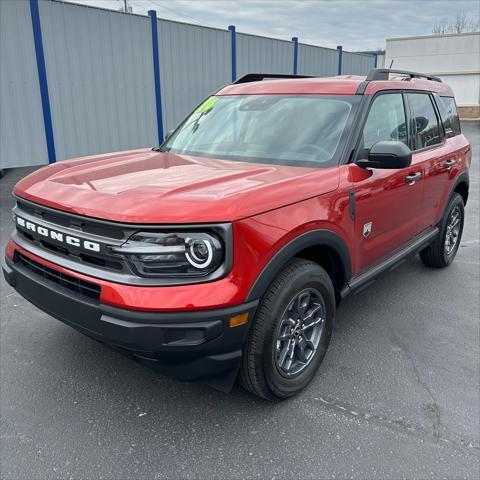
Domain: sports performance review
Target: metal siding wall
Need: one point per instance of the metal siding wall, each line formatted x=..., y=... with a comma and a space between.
x=100, y=78
x=101, y=82
x=263, y=55
x=317, y=61
x=357, y=63
x=22, y=133
x=194, y=61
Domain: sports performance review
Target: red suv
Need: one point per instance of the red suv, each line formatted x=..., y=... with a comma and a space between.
x=225, y=251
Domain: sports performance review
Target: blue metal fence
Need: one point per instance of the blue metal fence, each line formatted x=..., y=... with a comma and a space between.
x=295, y=55
x=234, y=51
x=156, y=71
x=100, y=90
x=42, y=80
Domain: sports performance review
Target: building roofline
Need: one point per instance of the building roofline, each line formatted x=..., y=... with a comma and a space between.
x=370, y=52
x=434, y=36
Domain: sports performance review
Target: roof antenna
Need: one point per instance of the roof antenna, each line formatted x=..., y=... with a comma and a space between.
x=391, y=64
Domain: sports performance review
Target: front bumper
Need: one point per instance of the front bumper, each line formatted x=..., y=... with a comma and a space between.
x=190, y=346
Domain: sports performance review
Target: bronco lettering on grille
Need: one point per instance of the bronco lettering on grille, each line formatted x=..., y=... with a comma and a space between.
x=57, y=236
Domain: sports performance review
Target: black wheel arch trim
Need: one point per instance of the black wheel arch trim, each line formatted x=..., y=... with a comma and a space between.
x=320, y=238
x=463, y=177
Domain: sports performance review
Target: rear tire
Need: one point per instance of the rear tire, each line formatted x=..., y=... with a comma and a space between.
x=442, y=251
x=290, y=332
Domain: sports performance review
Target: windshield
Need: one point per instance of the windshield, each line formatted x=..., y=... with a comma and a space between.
x=303, y=130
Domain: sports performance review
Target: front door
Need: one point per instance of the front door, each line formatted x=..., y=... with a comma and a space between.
x=388, y=203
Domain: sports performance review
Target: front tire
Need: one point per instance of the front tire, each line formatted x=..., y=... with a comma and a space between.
x=290, y=332
x=442, y=251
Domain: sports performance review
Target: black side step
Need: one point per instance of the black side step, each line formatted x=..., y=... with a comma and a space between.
x=364, y=279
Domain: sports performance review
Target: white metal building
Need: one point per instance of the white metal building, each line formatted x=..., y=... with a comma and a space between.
x=455, y=58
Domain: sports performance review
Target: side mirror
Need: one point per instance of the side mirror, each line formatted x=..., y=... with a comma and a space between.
x=388, y=154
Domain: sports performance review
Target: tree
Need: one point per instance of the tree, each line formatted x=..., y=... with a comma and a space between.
x=461, y=23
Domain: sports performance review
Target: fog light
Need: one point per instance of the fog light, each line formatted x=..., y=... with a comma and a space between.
x=238, y=320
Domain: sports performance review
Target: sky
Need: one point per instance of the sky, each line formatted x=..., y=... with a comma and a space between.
x=355, y=24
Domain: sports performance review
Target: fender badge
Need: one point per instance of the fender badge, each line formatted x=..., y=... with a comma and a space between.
x=367, y=229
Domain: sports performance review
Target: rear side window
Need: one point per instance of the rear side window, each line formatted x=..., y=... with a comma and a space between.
x=426, y=130
x=385, y=121
x=450, y=108
x=445, y=117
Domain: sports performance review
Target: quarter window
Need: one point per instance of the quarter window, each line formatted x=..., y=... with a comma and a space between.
x=451, y=113
x=425, y=122
x=444, y=116
x=386, y=121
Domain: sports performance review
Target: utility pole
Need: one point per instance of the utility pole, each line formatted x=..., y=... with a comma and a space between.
x=126, y=7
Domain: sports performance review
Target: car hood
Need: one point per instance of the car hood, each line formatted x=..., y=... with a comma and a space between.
x=144, y=186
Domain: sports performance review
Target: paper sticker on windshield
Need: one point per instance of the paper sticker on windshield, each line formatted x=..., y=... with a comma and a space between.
x=207, y=105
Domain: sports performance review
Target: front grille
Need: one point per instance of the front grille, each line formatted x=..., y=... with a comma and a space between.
x=101, y=232
x=65, y=252
x=81, y=287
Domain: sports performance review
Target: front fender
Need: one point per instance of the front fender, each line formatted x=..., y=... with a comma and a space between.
x=320, y=237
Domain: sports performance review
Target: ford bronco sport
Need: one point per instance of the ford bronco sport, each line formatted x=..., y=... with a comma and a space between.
x=225, y=251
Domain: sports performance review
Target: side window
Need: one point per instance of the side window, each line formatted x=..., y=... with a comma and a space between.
x=385, y=121
x=451, y=112
x=444, y=115
x=425, y=122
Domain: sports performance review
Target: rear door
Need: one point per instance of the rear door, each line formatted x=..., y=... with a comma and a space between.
x=388, y=203
x=433, y=150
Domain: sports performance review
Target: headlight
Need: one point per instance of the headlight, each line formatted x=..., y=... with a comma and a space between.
x=173, y=254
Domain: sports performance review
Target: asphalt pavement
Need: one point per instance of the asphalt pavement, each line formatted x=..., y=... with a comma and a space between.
x=397, y=395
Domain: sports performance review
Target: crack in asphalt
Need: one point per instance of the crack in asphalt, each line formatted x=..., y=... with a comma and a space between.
x=400, y=423
x=432, y=407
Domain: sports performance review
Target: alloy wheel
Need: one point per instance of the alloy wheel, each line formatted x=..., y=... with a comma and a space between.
x=453, y=231
x=299, y=332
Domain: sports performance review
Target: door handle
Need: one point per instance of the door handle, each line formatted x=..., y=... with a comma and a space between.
x=413, y=177
x=449, y=163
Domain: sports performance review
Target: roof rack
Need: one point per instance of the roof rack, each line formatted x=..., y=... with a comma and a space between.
x=384, y=73
x=257, y=77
